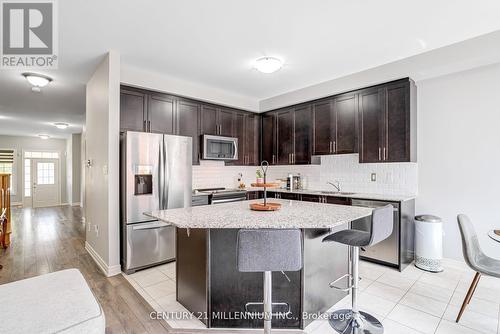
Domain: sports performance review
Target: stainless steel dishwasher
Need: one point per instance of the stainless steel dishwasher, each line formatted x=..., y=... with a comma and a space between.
x=387, y=251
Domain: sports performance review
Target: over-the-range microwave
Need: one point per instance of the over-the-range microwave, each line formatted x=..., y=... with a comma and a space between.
x=219, y=148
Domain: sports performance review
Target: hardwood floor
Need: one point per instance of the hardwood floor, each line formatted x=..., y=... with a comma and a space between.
x=52, y=239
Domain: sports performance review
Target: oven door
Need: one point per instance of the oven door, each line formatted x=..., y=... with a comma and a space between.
x=220, y=148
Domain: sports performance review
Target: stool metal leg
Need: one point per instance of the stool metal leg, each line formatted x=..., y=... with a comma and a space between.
x=354, y=321
x=268, y=301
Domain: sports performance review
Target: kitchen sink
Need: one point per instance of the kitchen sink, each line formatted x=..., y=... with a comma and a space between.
x=337, y=193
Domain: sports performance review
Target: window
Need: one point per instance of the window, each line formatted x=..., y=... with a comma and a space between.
x=42, y=155
x=45, y=173
x=27, y=177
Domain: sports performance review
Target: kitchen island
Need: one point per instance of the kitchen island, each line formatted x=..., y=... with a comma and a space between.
x=210, y=285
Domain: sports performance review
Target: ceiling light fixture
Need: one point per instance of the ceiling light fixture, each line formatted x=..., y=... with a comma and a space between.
x=268, y=64
x=61, y=125
x=44, y=136
x=37, y=80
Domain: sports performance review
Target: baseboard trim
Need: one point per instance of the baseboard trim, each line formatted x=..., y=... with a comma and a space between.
x=76, y=204
x=16, y=204
x=106, y=270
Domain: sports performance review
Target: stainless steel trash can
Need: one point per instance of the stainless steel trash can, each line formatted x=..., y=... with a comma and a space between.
x=428, y=243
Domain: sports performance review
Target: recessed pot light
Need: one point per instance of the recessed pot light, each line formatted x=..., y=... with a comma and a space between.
x=44, y=136
x=37, y=80
x=268, y=64
x=61, y=125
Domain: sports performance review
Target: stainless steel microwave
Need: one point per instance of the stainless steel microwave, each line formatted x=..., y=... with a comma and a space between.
x=219, y=148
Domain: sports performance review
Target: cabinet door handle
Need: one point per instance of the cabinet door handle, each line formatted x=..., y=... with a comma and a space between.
x=149, y=126
x=385, y=157
x=220, y=129
x=293, y=158
x=274, y=159
x=144, y=128
x=330, y=149
x=379, y=153
x=334, y=146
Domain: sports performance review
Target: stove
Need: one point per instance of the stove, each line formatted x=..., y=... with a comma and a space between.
x=223, y=195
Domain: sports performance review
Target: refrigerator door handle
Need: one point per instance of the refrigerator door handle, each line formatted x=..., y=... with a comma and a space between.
x=161, y=173
x=166, y=173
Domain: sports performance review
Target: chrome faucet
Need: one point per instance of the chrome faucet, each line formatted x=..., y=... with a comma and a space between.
x=336, y=186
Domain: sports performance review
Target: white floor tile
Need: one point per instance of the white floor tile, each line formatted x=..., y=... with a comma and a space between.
x=448, y=327
x=482, y=291
x=432, y=291
x=425, y=304
x=392, y=327
x=161, y=289
x=168, y=269
x=412, y=272
x=445, y=282
x=415, y=319
x=375, y=305
x=148, y=277
x=397, y=280
x=385, y=291
x=370, y=270
x=473, y=320
x=364, y=283
x=478, y=305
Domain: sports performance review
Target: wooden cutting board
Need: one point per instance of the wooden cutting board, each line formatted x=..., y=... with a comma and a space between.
x=269, y=206
x=497, y=232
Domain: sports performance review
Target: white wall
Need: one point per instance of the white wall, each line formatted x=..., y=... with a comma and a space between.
x=102, y=178
x=76, y=165
x=20, y=143
x=459, y=164
x=134, y=76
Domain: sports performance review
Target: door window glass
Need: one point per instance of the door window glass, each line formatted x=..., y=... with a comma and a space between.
x=45, y=172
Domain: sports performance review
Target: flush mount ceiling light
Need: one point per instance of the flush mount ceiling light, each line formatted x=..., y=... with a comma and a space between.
x=37, y=80
x=268, y=64
x=61, y=125
x=44, y=136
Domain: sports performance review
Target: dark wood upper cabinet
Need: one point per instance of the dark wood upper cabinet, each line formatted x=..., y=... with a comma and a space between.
x=324, y=127
x=188, y=124
x=285, y=136
x=302, y=134
x=133, y=110
x=371, y=111
x=252, y=139
x=268, y=132
x=345, y=109
x=225, y=120
x=161, y=114
x=209, y=125
x=398, y=123
x=386, y=127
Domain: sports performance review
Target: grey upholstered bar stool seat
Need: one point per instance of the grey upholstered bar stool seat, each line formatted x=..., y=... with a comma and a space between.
x=475, y=258
x=268, y=250
x=355, y=321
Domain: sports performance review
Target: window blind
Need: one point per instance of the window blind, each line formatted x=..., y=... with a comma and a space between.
x=6, y=156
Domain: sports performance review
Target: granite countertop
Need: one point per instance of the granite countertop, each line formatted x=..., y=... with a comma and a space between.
x=380, y=197
x=293, y=214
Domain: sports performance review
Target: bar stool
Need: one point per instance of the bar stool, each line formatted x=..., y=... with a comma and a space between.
x=353, y=320
x=268, y=250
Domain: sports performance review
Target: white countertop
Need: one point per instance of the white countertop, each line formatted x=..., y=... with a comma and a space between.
x=293, y=214
x=380, y=197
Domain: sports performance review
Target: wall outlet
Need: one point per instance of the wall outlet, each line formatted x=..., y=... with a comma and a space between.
x=96, y=229
x=374, y=177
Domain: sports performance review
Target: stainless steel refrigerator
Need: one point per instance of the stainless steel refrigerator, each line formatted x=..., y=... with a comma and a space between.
x=155, y=175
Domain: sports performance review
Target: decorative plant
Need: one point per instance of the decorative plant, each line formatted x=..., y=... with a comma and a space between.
x=259, y=174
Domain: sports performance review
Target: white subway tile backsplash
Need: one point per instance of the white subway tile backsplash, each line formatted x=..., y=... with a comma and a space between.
x=392, y=178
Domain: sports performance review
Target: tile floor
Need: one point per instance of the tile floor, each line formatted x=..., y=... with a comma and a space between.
x=412, y=301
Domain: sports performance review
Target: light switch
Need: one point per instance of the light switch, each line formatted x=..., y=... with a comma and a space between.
x=374, y=177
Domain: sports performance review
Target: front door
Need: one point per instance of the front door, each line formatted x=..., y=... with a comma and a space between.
x=45, y=182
